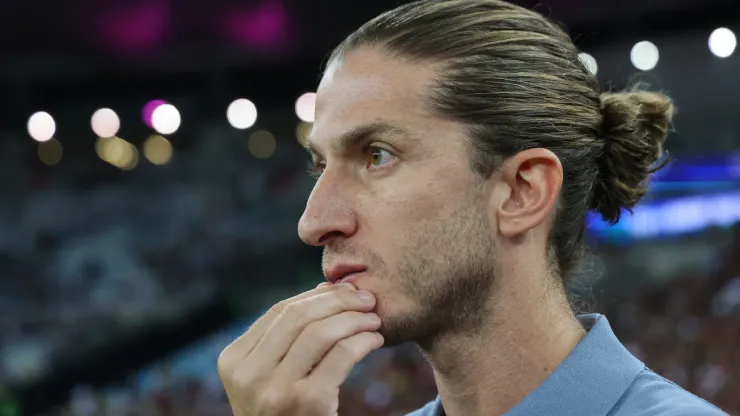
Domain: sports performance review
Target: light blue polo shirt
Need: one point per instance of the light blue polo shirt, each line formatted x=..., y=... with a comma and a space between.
x=601, y=378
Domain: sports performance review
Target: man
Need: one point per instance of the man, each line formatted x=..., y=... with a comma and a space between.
x=458, y=146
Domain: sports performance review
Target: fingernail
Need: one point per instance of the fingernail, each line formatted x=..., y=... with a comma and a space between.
x=365, y=296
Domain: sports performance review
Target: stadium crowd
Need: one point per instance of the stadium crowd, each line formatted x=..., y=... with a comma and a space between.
x=89, y=254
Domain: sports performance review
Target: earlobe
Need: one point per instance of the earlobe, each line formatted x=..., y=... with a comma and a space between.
x=533, y=178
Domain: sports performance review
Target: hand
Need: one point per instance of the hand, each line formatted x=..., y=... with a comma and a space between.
x=294, y=358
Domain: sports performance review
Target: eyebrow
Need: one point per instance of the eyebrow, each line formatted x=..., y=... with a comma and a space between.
x=357, y=135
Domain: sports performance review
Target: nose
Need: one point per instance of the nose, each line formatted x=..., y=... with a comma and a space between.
x=329, y=214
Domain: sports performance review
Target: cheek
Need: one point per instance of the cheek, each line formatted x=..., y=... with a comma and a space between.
x=410, y=222
x=396, y=218
x=416, y=201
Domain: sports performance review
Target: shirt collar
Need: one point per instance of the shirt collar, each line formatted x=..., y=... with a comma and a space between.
x=589, y=381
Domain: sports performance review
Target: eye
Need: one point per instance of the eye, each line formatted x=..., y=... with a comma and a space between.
x=315, y=169
x=377, y=157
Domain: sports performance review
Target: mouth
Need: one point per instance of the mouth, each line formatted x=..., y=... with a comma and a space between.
x=343, y=272
x=349, y=277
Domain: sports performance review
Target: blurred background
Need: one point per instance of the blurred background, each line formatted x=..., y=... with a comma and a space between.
x=152, y=181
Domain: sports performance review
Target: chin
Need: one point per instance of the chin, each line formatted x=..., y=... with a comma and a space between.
x=400, y=324
x=396, y=333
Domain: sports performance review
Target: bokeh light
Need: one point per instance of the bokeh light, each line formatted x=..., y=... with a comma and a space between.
x=50, y=152
x=117, y=152
x=157, y=150
x=589, y=62
x=262, y=144
x=263, y=25
x=132, y=158
x=166, y=119
x=242, y=114
x=722, y=42
x=105, y=122
x=135, y=30
x=305, y=107
x=146, y=113
x=644, y=55
x=41, y=126
x=302, y=132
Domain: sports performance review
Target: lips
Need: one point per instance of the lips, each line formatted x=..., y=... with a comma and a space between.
x=342, y=271
x=347, y=277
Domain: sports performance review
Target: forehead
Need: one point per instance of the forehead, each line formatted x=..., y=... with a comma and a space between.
x=367, y=86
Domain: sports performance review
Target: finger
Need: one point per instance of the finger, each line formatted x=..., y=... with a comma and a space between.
x=243, y=345
x=335, y=367
x=318, y=338
x=290, y=323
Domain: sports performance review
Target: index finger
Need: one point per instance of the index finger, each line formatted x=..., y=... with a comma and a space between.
x=247, y=341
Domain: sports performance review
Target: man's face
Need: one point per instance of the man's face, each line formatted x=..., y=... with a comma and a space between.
x=397, y=197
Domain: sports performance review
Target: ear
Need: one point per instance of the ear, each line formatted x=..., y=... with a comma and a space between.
x=533, y=178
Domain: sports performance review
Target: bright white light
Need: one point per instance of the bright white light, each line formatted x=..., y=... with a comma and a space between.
x=41, y=126
x=722, y=42
x=305, y=107
x=105, y=122
x=645, y=55
x=242, y=114
x=166, y=119
x=589, y=62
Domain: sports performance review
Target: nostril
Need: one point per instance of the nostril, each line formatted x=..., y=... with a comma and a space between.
x=326, y=238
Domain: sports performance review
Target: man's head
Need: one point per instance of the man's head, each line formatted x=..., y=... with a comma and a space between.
x=461, y=143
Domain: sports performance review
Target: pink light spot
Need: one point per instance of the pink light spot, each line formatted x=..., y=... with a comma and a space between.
x=146, y=114
x=133, y=30
x=265, y=26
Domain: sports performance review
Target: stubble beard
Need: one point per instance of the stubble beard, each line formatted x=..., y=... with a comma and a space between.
x=449, y=273
x=448, y=270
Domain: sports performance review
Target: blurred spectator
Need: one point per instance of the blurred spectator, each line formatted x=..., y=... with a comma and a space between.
x=87, y=260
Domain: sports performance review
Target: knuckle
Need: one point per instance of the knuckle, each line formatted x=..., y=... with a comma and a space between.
x=313, y=398
x=315, y=333
x=274, y=400
x=239, y=375
x=279, y=307
x=224, y=363
x=329, y=332
x=349, y=349
x=292, y=310
x=246, y=378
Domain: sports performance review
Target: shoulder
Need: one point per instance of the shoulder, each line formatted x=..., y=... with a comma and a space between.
x=653, y=395
x=428, y=410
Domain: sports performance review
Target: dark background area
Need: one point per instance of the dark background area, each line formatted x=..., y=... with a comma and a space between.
x=118, y=287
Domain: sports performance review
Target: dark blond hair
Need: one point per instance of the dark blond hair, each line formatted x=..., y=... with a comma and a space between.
x=514, y=79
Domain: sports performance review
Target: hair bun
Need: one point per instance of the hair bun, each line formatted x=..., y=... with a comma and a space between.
x=634, y=127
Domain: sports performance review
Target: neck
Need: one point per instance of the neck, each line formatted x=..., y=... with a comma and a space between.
x=530, y=332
